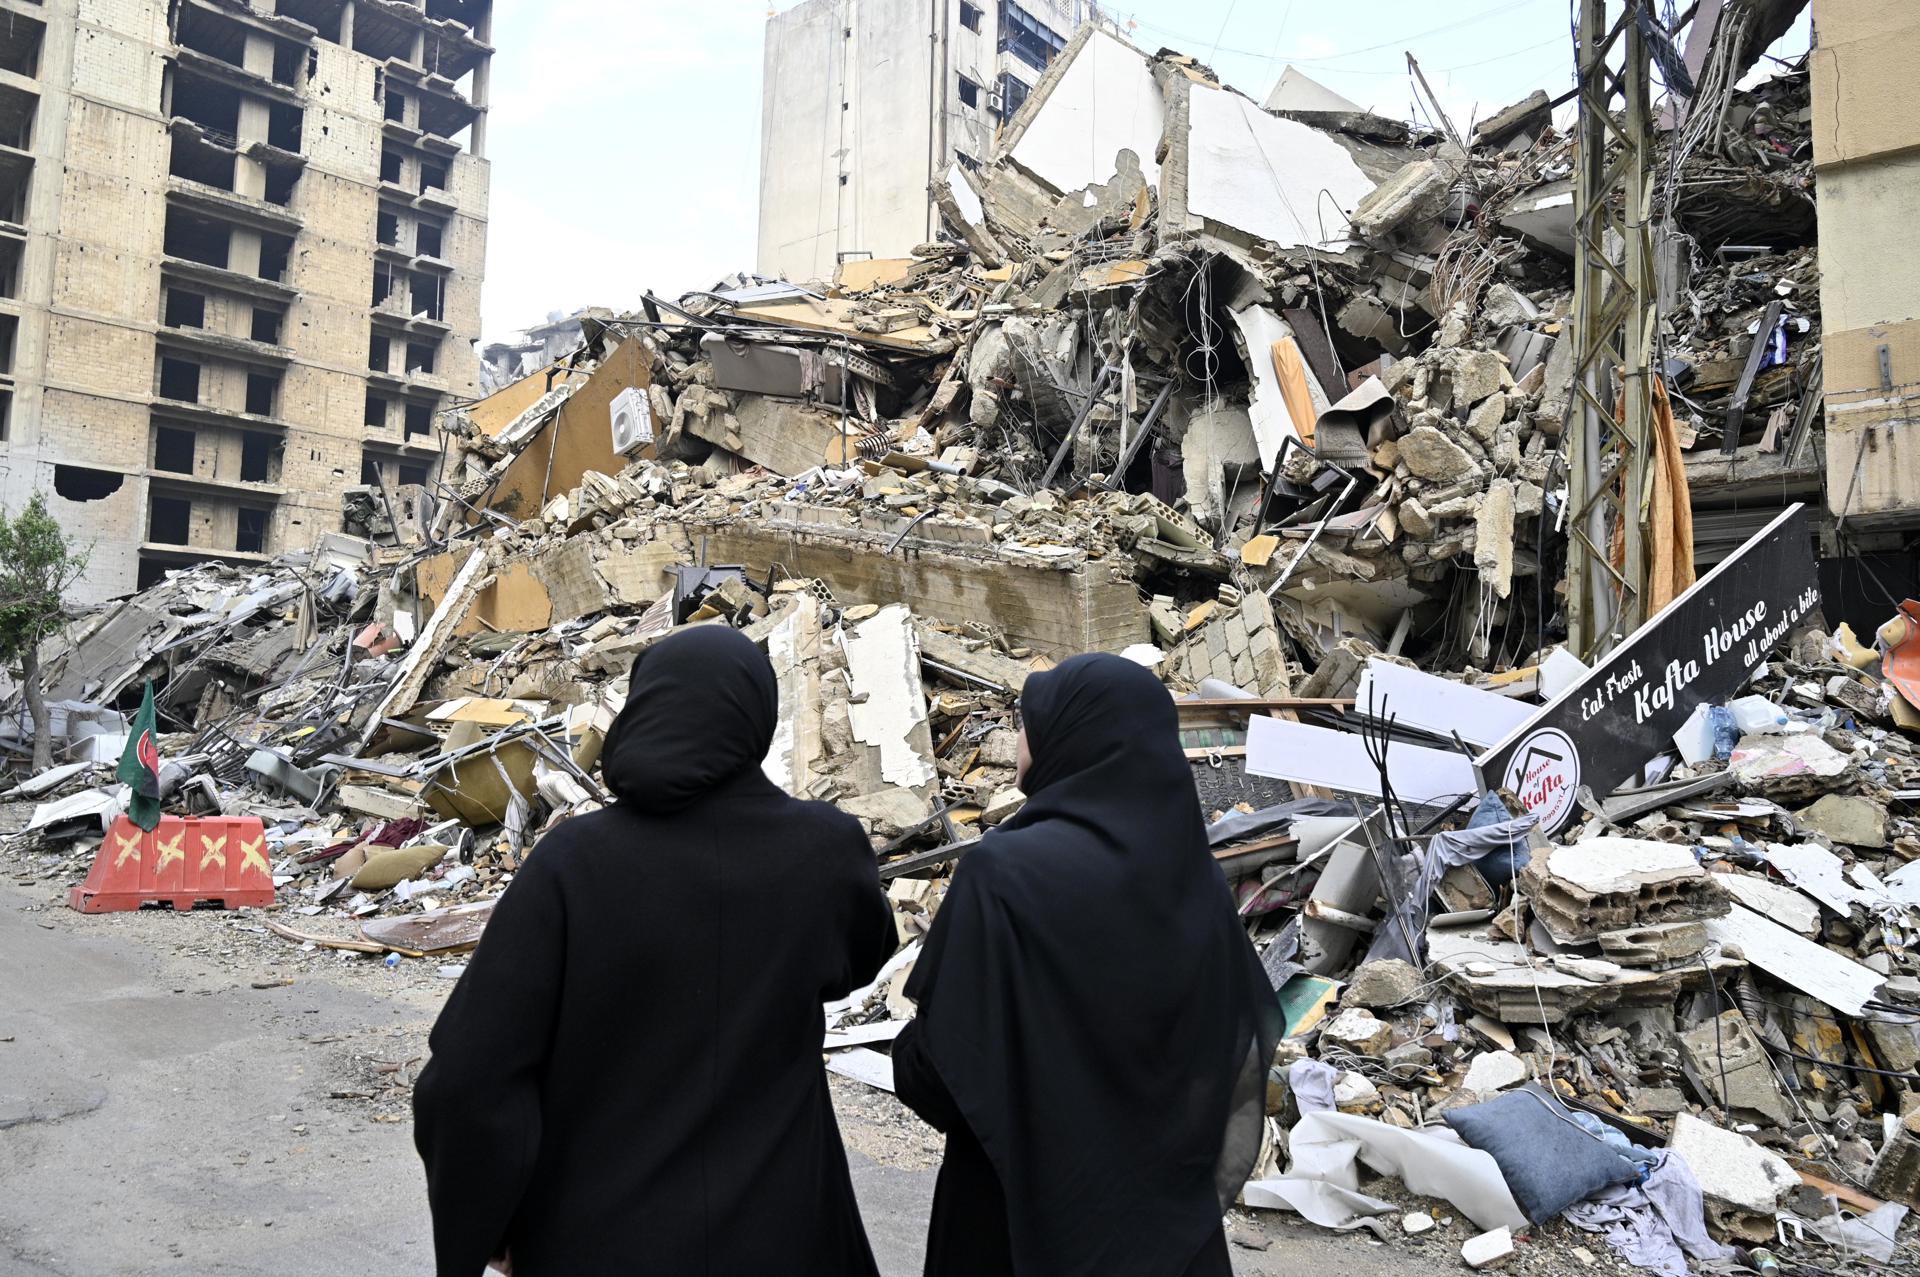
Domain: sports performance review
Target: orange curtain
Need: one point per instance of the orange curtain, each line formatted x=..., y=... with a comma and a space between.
x=1669, y=510
x=1292, y=371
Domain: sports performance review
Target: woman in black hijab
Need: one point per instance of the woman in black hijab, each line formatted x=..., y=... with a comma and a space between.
x=628, y=1077
x=1094, y=1028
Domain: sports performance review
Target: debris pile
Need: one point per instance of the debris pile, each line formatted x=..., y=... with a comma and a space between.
x=1272, y=403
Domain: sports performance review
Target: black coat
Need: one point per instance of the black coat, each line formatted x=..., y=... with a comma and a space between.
x=1094, y=1028
x=628, y=1080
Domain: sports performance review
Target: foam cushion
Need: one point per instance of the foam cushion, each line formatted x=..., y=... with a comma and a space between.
x=1549, y=1163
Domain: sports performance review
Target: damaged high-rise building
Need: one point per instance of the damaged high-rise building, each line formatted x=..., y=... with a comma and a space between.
x=241, y=248
x=865, y=103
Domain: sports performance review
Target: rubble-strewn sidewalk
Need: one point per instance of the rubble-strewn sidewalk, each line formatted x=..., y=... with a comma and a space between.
x=1274, y=405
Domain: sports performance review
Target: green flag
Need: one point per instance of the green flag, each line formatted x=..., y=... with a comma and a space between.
x=140, y=766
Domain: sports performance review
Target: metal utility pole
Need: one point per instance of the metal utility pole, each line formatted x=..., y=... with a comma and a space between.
x=1614, y=327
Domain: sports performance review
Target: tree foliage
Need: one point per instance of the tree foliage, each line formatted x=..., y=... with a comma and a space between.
x=38, y=564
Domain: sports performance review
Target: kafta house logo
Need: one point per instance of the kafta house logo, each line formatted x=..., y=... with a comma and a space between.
x=1545, y=774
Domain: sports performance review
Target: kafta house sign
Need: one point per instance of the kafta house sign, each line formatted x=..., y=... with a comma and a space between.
x=1703, y=648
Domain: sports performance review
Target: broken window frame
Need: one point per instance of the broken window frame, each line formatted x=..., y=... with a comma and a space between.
x=1013, y=94
x=1027, y=38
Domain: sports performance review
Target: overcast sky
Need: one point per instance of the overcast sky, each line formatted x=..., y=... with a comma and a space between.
x=625, y=139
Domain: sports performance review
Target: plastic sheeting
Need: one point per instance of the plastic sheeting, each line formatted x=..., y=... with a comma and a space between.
x=1329, y=1148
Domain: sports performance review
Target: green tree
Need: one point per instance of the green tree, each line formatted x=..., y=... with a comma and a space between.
x=38, y=564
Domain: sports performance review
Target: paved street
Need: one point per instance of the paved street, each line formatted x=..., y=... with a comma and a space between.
x=160, y=1114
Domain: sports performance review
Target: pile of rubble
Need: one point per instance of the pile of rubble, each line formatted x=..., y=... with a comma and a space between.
x=1273, y=404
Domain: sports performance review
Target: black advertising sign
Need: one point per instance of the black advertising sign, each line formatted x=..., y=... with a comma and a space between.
x=1701, y=649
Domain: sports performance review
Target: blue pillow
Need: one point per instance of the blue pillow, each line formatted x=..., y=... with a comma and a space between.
x=1549, y=1163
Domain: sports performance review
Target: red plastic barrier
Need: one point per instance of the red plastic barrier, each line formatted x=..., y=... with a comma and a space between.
x=185, y=860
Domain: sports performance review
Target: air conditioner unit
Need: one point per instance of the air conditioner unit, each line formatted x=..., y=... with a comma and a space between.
x=632, y=417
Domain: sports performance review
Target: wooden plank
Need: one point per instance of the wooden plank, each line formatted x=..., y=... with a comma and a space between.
x=331, y=942
x=1849, y=1197
x=837, y=317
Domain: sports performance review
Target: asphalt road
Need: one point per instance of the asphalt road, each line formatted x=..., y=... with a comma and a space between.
x=159, y=1114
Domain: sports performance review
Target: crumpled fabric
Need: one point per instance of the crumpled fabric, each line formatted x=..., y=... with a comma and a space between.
x=1453, y=848
x=1655, y=1224
x=1445, y=851
x=1613, y=1139
x=1312, y=1084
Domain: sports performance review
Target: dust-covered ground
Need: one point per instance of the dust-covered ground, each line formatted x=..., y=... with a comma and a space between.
x=193, y=1094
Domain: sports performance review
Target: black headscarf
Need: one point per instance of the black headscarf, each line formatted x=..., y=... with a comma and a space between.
x=1089, y=996
x=630, y=1066
x=701, y=708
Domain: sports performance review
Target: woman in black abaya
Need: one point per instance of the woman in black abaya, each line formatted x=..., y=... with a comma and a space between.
x=1094, y=1028
x=627, y=1079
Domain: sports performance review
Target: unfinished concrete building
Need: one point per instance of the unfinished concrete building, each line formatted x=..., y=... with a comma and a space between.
x=241, y=249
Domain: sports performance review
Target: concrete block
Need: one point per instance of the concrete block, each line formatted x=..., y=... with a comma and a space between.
x=1659, y=946
x=1733, y=1170
x=1659, y=1101
x=1354, y=1091
x=1357, y=1031
x=1484, y=421
x=1609, y=884
x=1477, y=375
x=1895, y=1175
x=1847, y=819
x=1897, y=1046
x=890, y=812
x=1533, y=112
x=1488, y=1250
x=1493, y=537
x=1416, y=190
x=1505, y=306
x=574, y=588
x=1433, y=456
x=1002, y=806
x=1727, y=1049
x=1494, y=1071
x=1390, y=983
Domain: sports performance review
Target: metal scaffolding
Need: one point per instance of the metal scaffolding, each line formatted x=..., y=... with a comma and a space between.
x=1615, y=324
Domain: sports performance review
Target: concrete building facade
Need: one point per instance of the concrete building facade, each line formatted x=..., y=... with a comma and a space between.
x=241, y=249
x=1866, y=152
x=865, y=102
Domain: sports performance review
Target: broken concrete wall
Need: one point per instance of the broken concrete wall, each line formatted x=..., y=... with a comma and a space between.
x=1079, y=607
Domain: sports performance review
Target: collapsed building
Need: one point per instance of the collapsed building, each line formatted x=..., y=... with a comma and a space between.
x=1276, y=403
